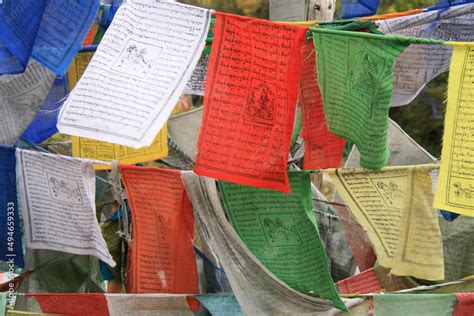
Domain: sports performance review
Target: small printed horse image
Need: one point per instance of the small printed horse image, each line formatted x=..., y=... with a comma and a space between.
x=134, y=59
x=390, y=191
x=61, y=190
x=461, y=191
x=277, y=231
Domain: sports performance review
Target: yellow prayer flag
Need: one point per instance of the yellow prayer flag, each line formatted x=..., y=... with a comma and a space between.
x=394, y=206
x=97, y=150
x=455, y=190
x=77, y=68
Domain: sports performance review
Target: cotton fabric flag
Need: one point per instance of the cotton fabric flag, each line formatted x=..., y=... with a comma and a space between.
x=414, y=304
x=419, y=64
x=97, y=150
x=249, y=106
x=394, y=206
x=323, y=149
x=57, y=201
x=355, y=74
x=161, y=256
x=3, y=301
x=137, y=74
x=331, y=231
x=458, y=240
x=73, y=304
x=183, y=129
x=362, y=283
x=465, y=304
x=68, y=273
x=281, y=232
x=19, y=22
x=63, y=26
x=43, y=125
x=21, y=96
x=221, y=304
x=148, y=304
x=31, y=27
x=404, y=150
x=357, y=8
x=455, y=190
x=11, y=250
x=258, y=290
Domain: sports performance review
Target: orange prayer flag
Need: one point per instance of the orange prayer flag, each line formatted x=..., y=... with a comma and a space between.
x=249, y=102
x=392, y=15
x=362, y=283
x=78, y=304
x=322, y=149
x=161, y=255
x=89, y=39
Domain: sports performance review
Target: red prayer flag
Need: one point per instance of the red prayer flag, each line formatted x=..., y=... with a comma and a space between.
x=72, y=304
x=249, y=105
x=465, y=305
x=362, y=283
x=322, y=149
x=161, y=255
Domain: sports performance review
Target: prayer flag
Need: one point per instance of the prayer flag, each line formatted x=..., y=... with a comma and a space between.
x=355, y=74
x=394, y=206
x=249, y=105
x=161, y=256
x=455, y=190
x=322, y=149
x=281, y=232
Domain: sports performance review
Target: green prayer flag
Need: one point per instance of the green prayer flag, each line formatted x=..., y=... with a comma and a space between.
x=68, y=273
x=281, y=231
x=355, y=74
x=3, y=302
x=414, y=304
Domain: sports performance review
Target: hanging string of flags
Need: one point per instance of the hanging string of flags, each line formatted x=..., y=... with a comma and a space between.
x=217, y=216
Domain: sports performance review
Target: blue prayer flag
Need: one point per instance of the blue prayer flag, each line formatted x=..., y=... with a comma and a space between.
x=44, y=124
x=220, y=304
x=50, y=31
x=359, y=8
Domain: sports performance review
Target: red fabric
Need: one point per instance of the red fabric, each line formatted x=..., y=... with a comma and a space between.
x=161, y=257
x=73, y=304
x=465, y=305
x=358, y=239
x=89, y=39
x=17, y=281
x=249, y=105
x=322, y=149
x=362, y=283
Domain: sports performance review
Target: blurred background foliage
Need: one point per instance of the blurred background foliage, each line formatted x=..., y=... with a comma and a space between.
x=422, y=119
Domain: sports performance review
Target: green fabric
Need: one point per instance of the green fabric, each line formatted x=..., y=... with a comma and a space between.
x=281, y=231
x=357, y=87
x=414, y=304
x=351, y=26
x=69, y=273
x=3, y=302
x=298, y=125
x=114, y=245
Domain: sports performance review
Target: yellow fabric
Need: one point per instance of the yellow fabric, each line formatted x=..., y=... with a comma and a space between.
x=78, y=65
x=394, y=206
x=97, y=150
x=455, y=190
